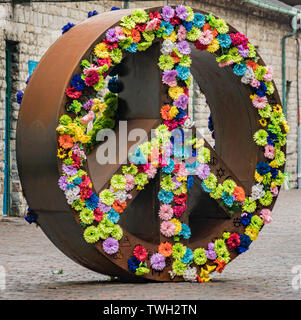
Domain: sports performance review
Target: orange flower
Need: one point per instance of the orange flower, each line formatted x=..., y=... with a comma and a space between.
x=136, y=35
x=220, y=265
x=175, y=57
x=239, y=194
x=66, y=141
x=206, y=27
x=165, y=112
x=252, y=65
x=165, y=248
x=119, y=206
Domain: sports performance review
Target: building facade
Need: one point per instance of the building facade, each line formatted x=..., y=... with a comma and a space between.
x=27, y=29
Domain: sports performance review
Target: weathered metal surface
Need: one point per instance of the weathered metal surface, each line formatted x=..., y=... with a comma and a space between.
x=44, y=102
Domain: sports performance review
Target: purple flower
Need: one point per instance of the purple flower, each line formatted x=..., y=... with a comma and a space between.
x=244, y=52
x=111, y=35
x=181, y=102
x=88, y=105
x=183, y=47
x=211, y=254
x=103, y=207
x=167, y=13
x=211, y=246
x=110, y=245
x=169, y=75
x=203, y=171
x=181, y=12
x=63, y=183
x=69, y=170
x=157, y=261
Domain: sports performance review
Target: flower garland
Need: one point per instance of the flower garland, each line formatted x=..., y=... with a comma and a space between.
x=99, y=213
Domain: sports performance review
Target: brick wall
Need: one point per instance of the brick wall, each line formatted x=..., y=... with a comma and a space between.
x=35, y=26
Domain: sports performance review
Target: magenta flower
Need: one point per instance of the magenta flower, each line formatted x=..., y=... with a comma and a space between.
x=111, y=35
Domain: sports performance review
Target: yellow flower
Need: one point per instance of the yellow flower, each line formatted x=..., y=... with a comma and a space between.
x=180, y=178
x=60, y=129
x=210, y=268
x=273, y=164
x=173, y=37
x=253, y=96
x=277, y=108
x=175, y=92
x=70, y=154
x=127, y=31
x=213, y=46
x=173, y=111
x=85, y=139
x=258, y=177
x=263, y=122
x=200, y=143
x=273, y=184
x=101, y=50
x=61, y=153
x=251, y=232
x=285, y=126
x=204, y=275
x=177, y=224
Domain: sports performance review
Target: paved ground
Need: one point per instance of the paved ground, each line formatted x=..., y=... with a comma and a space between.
x=264, y=272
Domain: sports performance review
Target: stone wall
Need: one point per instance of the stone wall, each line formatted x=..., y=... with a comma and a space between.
x=35, y=26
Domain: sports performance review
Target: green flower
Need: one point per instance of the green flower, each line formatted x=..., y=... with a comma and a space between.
x=279, y=157
x=78, y=205
x=92, y=234
x=75, y=107
x=211, y=181
x=116, y=55
x=167, y=184
x=139, y=16
x=117, y=232
x=260, y=137
x=229, y=186
x=217, y=192
x=252, y=50
x=234, y=55
x=190, y=13
x=141, y=271
x=141, y=179
x=193, y=34
x=221, y=26
x=107, y=197
x=149, y=36
x=256, y=222
x=162, y=133
x=85, y=63
x=132, y=169
x=249, y=205
x=165, y=62
x=219, y=246
x=270, y=87
x=279, y=179
x=281, y=139
x=86, y=216
x=260, y=72
x=178, y=267
x=118, y=182
x=105, y=227
x=68, y=162
x=125, y=43
x=226, y=235
x=267, y=178
x=267, y=199
x=65, y=120
x=127, y=22
x=224, y=255
x=203, y=155
x=100, y=84
x=185, y=61
x=265, y=112
x=142, y=46
x=199, y=256
x=178, y=251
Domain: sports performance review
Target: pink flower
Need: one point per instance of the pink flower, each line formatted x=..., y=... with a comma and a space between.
x=167, y=228
x=130, y=184
x=89, y=71
x=269, y=75
x=274, y=191
x=119, y=33
x=255, y=83
x=151, y=172
x=182, y=170
x=265, y=215
x=225, y=64
x=206, y=37
x=260, y=102
x=152, y=25
x=269, y=151
x=165, y=212
x=92, y=79
x=181, y=33
x=87, y=118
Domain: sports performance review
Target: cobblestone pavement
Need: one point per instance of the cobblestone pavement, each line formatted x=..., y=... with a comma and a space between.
x=263, y=272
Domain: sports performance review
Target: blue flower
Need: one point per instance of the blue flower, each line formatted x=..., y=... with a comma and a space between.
x=115, y=85
x=240, y=69
x=189, y=182
x=210, y=123
x=78, y=83
x=224, y=40
x=245, y=240
x=246, y=220
x=67, y=27
x=188, y=25
x=185, y=232
x=274, y=173
x=205, y=188
x=199, y=20
x=240, y=249
x=113, y=216
x=165, y=196
x=71, y=186
x=228, y=199
x=183, y=73
x=188, y=256
x=132, y=48
x=261, y=90
x=133, y=264
x=115, y=8
x=77, y=180
x=31, y=216
x=181, y=112
x=263, y=168
x=170, y=167
x=92, y=202
x=167, y=27
x=191, y=167
x=138, y=157
x=19, y=96
x=92, y=13
x=28, y=79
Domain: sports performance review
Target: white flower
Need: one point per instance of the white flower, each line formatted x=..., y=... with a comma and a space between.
x=188, y=123
x=190, y=274
x=167, y=47
x=257, y=191
x=120, y=195
x=248, y=76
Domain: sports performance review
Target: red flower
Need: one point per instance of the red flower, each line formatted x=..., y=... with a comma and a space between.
x=110, y=45
x=92, y=79
x=233, y=241
x=107, y=61
x=179, y=210
x=98, y=215
x=85, y=181
x=140, y=27
x=85, y=193
x=72, y=93
x=199, y=45
x=181, y=198
x=175, y=20
x=220, y=265
x=154, y=15
x=140, y=253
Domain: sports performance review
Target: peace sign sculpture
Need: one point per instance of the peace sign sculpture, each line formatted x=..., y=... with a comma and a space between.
x=175, y=208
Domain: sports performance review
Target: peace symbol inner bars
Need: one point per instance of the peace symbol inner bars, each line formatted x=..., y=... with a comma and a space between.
x=205, y=219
